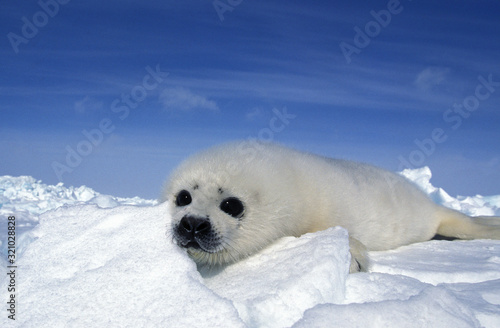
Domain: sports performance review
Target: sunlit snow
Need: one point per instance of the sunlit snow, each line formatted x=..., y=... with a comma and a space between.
x=89, y=260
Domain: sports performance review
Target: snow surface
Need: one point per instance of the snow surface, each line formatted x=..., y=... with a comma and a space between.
x=91, y=260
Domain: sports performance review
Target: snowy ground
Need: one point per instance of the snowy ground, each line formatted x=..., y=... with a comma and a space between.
x=90, y=260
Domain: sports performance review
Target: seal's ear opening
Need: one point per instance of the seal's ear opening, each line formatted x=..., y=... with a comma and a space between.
x=232, y=206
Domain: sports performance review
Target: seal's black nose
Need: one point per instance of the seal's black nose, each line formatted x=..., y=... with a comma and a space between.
x=191, y=227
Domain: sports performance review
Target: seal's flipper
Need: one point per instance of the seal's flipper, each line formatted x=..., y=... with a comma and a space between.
x=459, y=225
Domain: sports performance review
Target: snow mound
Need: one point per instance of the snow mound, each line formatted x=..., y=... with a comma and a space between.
x=90, y=267
x=89, y=260
x=299, y=273
x=436, y=303
x=25, y=193
x=27, y=198
x=474, y=206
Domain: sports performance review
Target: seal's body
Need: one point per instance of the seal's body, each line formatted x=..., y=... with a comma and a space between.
x=233, y=200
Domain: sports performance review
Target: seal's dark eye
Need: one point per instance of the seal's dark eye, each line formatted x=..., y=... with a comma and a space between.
x=183, y=198
x=232, y=206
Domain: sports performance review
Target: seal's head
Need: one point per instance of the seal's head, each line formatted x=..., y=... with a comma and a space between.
x=225, y=204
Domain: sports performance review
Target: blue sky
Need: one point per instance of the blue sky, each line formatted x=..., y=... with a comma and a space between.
x=114, y=94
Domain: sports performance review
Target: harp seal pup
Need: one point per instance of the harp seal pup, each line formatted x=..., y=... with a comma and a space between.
x=233, y=200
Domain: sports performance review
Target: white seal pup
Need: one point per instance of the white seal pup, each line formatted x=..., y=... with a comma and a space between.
x=233, y=200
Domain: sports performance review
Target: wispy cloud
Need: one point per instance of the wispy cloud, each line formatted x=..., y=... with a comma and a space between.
x=253, y=114
x=87, y=105
x=431, y=77
x=180, y=98
x=356, y=87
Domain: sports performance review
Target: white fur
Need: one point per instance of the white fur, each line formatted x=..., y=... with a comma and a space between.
x=290, y=193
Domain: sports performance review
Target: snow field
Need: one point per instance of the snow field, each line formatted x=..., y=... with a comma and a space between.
x=90, y=260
